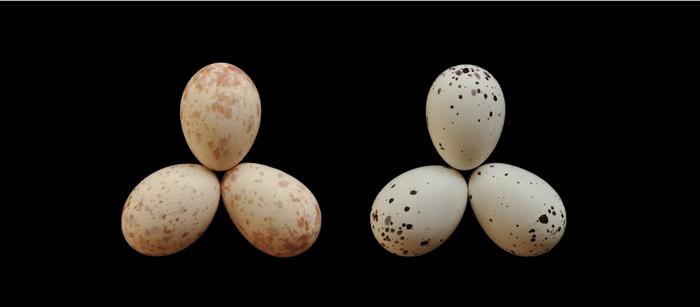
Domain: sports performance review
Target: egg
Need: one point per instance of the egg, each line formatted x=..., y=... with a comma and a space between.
x=418, y=210
x=519, y=211
x=220, y=115
x=273, y=210
x=465, y=111
x=170, y=209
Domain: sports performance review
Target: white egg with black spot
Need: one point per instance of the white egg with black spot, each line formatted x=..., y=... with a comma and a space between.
x=465, y=111
x=518, y=210
x=418, y=210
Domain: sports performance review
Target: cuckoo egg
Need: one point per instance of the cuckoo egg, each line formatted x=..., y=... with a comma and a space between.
x=418, y=210
x=273, y=210
x=220, y=115
x=465, y=110
x=170, y=209
x=518, y=210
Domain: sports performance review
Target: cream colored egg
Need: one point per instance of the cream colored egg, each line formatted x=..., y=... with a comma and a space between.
x=274, y=211
x=518, y=210
x=170, y=209
x=220, y=115
x=465, y=111
x=418, y=210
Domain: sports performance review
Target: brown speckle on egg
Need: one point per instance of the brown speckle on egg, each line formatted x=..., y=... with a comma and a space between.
x=291, y=216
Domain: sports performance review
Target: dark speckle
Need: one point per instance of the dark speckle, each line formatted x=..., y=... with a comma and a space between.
x=424, y=243
x=478, y=91
x=506, y=174
x=473, y=92
x=452, y=107
x=406, y=208
x=409, y=226
x=491, y=114
x=495, y=98
x=391, y=200
x=414, y=192
x=543, y=219
x=439, y=90
x=387, y=220
x=393, y=185
x=490, y=220
x=531, y=230
x=465, y=70
x=486, y=96
x=478, y=173
x=460, y=96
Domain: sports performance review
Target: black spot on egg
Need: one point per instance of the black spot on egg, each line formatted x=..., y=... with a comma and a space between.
x=424, y=243
x=391, y=200
x=405, y=209
x=543, y=219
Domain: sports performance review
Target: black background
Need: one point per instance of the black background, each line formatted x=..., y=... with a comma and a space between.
x=588, y=88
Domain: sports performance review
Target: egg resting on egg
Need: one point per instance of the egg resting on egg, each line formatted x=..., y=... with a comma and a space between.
x=518, y=210
x=465, y=111
x=170, y=209
x=273, y=210
x=418, y=210
x=220, y=115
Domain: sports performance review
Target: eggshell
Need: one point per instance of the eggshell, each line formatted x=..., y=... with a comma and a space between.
x=273, y=210
x=170, y=209
x=220, y=115
x=465, y=111
x=519, y=211
x=418, y=210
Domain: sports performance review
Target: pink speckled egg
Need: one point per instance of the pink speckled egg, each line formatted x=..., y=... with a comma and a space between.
x=220, y=115
x=274, y=211
x=170, y=209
